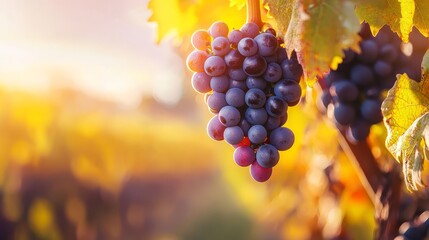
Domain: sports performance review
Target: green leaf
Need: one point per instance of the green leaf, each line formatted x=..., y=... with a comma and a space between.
x=406, y=116
x=328, y=27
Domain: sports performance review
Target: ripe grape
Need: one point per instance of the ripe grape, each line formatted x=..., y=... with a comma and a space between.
x=249, y=82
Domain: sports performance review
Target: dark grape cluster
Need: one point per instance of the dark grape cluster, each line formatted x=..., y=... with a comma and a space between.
x=353, y=93
x=249, y=83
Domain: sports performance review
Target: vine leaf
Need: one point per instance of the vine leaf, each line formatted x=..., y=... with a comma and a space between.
x=281, y=11
x=331, y=26
x=421, y=18
x=406, y=116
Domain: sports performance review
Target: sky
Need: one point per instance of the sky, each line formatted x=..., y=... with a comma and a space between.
x=104, y=48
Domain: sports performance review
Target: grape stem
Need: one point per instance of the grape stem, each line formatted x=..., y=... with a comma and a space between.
x=254, y=12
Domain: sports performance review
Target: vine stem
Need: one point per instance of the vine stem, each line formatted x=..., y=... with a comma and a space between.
x=254, y=12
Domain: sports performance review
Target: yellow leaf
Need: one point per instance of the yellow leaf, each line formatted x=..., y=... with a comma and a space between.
x=331, y=26
x=397, y=14
x=281, y=11
x=421, y=18
x=406, y=115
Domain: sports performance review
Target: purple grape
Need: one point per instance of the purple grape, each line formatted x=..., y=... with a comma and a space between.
x=215, y=129
x=256, y=116
x=275, y=122
x=255, y=98
x=369, y=51
x=267, y=156
x=219, y=29
x=234, y=59
x=201, y=82
x=271, y=31
x=234, y=37
x=229, y=116
x=273, y=72
x=267, y=44
x=275, y=106
x=220, y=46
x=259, y=173
x=196, y=60
x=216, y=101
x=288, y=90
x=247, y=47
x=214, y=66
x=361, y=75
x=254, y=66
x=250, y=29
x=256, y=82
x=382, y=68
x=244, y=156
x=282, y=138
x=245, y=126
x=344, y=114
x=235, y=97
x=237, y=74
x=370, y=110
x=233, y=135
x=237, y=84
x=358, y=130
x=344, y=90
x=220, y=83
x=291, y=68
x=389, y=53
x=257, y=134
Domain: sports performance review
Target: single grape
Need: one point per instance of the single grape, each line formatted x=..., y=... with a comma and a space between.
x=244, y=156
x=358, y=130
x=235, y=97
x=237, y=74
x=234, y=59
x=260, y=173
x=201, y=39
x=256, y=82
x=288, y=90
x=267, y=156
x=345, y=90
x=220, y=46
x=238, y=84
x=282, y=138
x=247, y=47
x=201, y=82
x=229, y=116
x=275, y=122
x=219, y=83
x=250, y=29
x=257, y=134
x=254, y=66
x=214, y=66
x=234, y=37
x=216, y=101
x=275, y=106
x=196, y=59
x=344, y=114
x=291, y=68
x=219, y=29
x=215, y=129
x=361, y=75
x=273, y=72
x=233, y=135
x=382, y=68
x=389, y=53
x=369, y=51
x=267, y=44
x=256, y=116
x=370, y=110
x=255, y=98
x=271, y=31
x=245, y=126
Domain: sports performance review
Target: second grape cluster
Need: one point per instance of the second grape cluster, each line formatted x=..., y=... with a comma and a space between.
x=249, y=83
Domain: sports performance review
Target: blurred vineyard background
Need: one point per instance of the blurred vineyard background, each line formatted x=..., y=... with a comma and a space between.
x=102, y=137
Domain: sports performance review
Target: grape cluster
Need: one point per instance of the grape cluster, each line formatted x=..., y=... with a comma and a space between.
x=249, y=83
x=353, y=93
